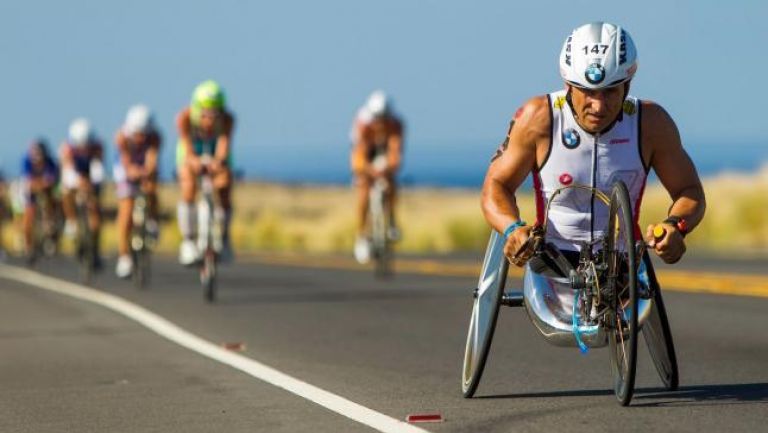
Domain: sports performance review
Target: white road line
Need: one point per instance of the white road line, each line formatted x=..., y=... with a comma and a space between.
x=174, y=333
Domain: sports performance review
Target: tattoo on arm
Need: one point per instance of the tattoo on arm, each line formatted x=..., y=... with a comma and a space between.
x=504, y=144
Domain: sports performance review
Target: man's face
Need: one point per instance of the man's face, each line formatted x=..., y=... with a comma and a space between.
x=597, y=108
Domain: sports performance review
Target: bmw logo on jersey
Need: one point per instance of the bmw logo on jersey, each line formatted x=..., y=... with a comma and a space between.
x=595, y=73
x=571, y=138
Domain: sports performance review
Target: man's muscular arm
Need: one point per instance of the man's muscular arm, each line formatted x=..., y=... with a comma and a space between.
x=507, y=172
x=677, y=173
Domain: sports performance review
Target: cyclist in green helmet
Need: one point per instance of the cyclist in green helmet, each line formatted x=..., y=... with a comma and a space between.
x=205, y=128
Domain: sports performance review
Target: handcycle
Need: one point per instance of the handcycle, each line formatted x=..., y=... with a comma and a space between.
x=603, y=300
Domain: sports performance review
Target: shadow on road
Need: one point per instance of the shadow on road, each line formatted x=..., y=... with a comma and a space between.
x=328, y=296
x=549, y=394
x=694, y=395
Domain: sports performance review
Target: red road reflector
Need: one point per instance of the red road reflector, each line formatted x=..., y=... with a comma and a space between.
x=424, y=417
x=235, y=346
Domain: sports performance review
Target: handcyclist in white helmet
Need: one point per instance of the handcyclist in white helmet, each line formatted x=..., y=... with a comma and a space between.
x=82, y=169
x=591, y=133
x=377, y=147
x=138, y=145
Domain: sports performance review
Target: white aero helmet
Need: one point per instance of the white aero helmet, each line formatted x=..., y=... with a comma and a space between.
x=378, y=104
x=80, y=132
x=598, y=55
x=138, y=119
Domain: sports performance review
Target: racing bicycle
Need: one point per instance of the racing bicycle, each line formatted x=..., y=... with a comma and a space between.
x=45, y=231
x=209, y=233
x=142, y=242
x=381, y=245
x=85, y=243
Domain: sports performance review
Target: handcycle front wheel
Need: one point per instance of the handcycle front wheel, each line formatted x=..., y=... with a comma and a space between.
x=621, y=319
x=658, y=335
x=485, y=311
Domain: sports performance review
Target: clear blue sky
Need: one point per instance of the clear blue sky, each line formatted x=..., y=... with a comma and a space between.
x=295, y=71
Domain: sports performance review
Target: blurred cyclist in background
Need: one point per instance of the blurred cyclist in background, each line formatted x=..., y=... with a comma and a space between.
x=82, y=169
x=40, y=175
x=377, y=146
x=138, y=144
x=205, y=132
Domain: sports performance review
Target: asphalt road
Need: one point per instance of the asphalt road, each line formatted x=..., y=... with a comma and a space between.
x=393, y=346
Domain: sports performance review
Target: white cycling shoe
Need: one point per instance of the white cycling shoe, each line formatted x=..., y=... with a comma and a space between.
x=188, y=253
x=362, y=250
x=124, y=267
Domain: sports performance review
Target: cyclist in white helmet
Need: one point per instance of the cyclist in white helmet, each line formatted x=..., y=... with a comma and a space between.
x=138, y=145
x=82, y=168
x=377, y=135
x=592, y=133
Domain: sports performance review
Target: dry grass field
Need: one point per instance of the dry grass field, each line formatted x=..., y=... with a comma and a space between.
x=320, y=219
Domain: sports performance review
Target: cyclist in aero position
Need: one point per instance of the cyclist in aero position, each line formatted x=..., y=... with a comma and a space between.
x=377, y=145
x=205, y=128
x=40, y=175
x=82, y=170
x=138, y=144
x=591, y=133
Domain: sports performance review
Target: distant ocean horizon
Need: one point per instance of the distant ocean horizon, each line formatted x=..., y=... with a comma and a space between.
x=458, y=165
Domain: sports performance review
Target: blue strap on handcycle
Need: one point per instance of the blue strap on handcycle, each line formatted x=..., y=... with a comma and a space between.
x=512, y=227
x=576, y=331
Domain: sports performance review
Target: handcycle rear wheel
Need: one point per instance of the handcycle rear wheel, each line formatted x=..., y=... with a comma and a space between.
x=485, y=311
x=621, y=319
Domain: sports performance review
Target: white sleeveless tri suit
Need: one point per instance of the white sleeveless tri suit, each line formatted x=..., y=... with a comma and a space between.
x=595, y=160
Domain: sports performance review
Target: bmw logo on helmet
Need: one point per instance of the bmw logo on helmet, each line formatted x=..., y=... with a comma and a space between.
x=571, y=138
x=595, y=73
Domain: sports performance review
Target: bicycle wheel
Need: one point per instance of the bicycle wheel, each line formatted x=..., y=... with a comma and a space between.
x=621, y=320
x=141, y=268
x=658, y=335
x=208, y=274
x=86, y=250
x=382, y=253
x=36, y=249
x=485, y=311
